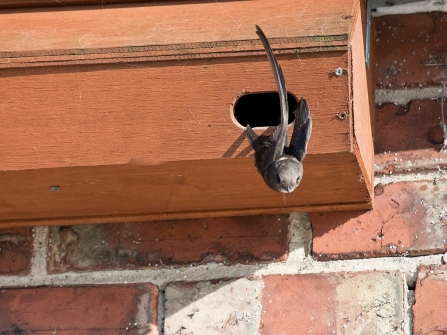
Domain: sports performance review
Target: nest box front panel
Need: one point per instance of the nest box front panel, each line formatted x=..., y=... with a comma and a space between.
x=155, y=136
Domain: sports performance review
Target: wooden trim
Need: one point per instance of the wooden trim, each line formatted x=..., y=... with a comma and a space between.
x=160, y=31
x=63, y=221
x=155, y=113
x=178, y=52
x=173, y=190
x=14, y=4
x=362, y=98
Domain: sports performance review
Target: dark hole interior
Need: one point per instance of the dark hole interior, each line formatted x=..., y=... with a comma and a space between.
x=261, y=109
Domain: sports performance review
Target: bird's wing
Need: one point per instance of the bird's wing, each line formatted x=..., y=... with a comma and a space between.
x=280, y=134
x=264, y=149
x=301, y=131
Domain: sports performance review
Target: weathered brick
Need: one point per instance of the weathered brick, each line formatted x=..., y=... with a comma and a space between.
x=410, y=50
x=80, y=310
x=367, y=303
x=346, y=303
x=16, y=248
x=408, y=218
x=430, y=309
x=228, y=240
x=408, y=138
x=231, y=306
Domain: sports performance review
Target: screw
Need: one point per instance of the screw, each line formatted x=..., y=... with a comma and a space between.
x=342, y=116
x=338, y=71
x=55, y=188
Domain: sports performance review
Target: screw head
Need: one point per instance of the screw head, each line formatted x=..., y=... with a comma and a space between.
x=338, y=71
x=54, y=188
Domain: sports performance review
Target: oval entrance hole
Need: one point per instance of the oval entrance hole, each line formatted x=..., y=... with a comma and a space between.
x=261, y=109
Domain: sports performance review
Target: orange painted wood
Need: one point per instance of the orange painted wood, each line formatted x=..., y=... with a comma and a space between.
x=173, y=111
x=172, y=190
x=129, y=109
x=63, y=3
x=362, y=97
x=179, y=27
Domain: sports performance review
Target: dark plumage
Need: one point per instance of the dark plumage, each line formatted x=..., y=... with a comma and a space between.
x=281, y=165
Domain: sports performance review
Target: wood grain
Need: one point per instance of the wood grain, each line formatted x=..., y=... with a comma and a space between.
x=217, y=187
x=362, y=98
x=10, y=4
x=176, y=23
x=155, y=112
x=129, y=109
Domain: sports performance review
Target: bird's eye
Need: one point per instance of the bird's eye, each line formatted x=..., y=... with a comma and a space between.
x=297, y=180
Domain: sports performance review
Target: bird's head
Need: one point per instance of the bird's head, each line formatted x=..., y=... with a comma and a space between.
x=285, y=174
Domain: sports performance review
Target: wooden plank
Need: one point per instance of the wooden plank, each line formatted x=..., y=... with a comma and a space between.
x=362, y=98
x=165, y=111
x=217, y=187
x=177, y=52
x=9, y=4
x=180, y=25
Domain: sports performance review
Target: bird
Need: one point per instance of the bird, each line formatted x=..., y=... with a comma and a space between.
x=280, y=165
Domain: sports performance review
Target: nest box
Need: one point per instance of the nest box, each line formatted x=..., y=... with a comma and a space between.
x=127, y=112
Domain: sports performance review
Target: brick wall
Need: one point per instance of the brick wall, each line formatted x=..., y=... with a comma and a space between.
x=376, y=272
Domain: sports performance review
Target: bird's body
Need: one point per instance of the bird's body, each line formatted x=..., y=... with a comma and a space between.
x=279, y=165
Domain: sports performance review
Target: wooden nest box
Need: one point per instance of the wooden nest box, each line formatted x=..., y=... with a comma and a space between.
x=126, y=113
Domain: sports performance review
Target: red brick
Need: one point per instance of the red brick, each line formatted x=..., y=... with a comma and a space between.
x=228, y=240
x=362, y=303
x=407, y=139
x=16, y=247
x=430, y=309
x=408, y=47
x=299, y=304
x=107, y=310
x=407, y=218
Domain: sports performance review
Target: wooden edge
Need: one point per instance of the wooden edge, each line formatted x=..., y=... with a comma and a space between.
x=160, y=31
x=174, y=191
x=155, y=53
x=369, y=182
x=13, y=4
x=370, y=76
x=362, y=98
x=188, y=215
